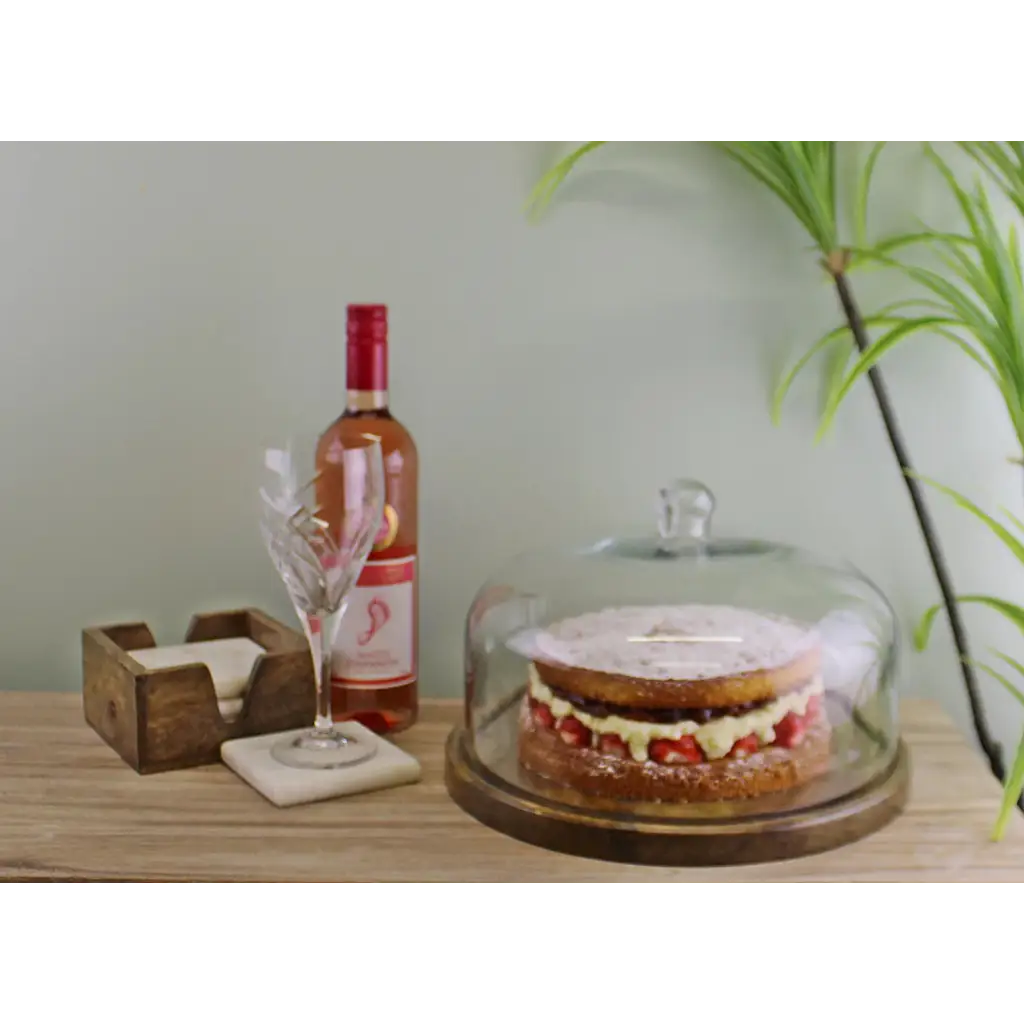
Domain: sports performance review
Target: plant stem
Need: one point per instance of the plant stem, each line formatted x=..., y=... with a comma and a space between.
x=991, y=749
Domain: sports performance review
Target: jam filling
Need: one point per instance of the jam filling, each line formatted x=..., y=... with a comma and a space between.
x=789, y=733
x=666, y=716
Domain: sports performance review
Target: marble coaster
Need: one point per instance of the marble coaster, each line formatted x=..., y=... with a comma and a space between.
x=230, y=661
x=250, y=758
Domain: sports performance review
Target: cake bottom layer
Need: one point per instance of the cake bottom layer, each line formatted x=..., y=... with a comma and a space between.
x=587, y=770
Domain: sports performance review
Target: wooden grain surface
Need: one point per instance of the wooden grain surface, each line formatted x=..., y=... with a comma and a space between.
x=71, y=809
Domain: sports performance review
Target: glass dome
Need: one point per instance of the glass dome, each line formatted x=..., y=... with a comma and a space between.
x=679, y=675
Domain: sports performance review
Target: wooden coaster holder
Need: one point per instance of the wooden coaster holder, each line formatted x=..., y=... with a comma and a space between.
x=163, y=719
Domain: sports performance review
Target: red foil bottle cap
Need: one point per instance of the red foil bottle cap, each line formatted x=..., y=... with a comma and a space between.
x=367, y=348
x=367, y=323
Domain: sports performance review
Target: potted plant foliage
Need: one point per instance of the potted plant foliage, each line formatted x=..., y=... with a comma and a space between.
x=978, y=304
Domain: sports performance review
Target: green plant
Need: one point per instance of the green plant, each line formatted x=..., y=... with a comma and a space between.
x=1014, y=783
x=981, y=296
x=977, y=304
x=805, y=177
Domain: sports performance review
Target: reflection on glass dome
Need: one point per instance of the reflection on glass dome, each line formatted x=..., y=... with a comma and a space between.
x=680, y=675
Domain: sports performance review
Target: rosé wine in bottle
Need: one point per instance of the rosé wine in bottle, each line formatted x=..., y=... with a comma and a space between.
x=374, y=673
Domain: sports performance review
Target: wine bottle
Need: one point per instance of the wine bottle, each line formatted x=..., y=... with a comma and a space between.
x=375, y=662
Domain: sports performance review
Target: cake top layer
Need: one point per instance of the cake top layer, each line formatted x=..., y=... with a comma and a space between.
x=690, y=641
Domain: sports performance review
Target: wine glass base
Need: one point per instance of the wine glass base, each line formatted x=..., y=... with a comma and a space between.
x=327, y=748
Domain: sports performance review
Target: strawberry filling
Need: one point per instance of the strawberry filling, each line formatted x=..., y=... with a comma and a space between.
x=541, y=714
x=612, y=744
x=573, y=732
x=681, y=751
x=789, y=732
x=746, y=746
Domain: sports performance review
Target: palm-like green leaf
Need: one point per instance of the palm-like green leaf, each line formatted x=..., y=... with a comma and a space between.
x=1013, y=519
x=1013, y=784
x=1004, y=163
x=803, y=176
x=1008, y=609
x=1002, y=680
x=1012, y=790
x=903, y=327
x=1013, y=543
x=860, y=211
x=835, y=370
x=978, y=305
x=886, y=315
x=867, y=256
x=1014, y=664
x=545, y=189
x=981, y=298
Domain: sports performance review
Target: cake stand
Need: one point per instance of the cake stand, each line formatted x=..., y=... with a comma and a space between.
x=819, y=816
x=681, y=604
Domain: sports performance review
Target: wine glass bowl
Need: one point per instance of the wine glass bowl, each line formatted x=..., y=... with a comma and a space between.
x=321, y=507
x=316, y=573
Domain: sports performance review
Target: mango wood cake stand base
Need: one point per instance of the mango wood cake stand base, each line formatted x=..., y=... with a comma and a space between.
x=547, y=822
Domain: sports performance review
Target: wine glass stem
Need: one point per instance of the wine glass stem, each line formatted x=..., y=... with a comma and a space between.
x=320, y=636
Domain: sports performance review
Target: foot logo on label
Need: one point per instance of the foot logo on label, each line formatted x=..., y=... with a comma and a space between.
x=379, y=614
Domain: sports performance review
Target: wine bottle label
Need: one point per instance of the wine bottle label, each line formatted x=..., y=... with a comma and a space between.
x=376, y=643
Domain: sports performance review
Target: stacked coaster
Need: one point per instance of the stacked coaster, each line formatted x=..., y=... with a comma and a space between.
x=251, y=759
x=230, y=663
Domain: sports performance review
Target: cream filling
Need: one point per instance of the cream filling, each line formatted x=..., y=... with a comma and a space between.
x=715, y=738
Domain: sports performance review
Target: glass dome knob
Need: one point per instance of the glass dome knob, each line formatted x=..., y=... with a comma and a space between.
x=684, y=514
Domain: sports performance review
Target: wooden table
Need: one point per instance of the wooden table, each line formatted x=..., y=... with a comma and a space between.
x=70, y=809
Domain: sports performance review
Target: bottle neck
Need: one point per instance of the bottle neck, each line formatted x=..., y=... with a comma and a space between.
x=365, y=401
x=366, y=374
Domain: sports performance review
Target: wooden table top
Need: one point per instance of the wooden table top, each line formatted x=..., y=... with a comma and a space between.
x=70, y=809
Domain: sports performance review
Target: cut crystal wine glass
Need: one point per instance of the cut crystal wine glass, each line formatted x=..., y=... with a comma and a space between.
x=321, y=507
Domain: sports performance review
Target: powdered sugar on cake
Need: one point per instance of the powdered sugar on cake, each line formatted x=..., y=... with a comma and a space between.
x=688, y=641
